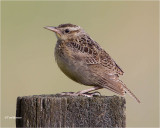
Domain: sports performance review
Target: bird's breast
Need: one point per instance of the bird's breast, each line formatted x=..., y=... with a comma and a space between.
x=72, y=66
x=66, y=63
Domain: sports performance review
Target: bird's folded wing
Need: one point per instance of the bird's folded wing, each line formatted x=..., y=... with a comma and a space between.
x=91, y=53
x=112, y=83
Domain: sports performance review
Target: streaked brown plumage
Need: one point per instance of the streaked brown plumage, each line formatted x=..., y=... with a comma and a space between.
x=84, y=61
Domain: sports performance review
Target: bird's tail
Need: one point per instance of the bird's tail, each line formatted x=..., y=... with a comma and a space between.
x=131, y=93
x=114, y=84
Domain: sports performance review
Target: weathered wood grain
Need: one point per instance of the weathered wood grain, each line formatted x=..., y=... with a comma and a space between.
x=69, y=111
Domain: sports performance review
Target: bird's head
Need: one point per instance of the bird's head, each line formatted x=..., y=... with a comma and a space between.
x=66, y=31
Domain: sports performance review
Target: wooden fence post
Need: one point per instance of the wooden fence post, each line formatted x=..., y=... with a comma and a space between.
x=70, y=111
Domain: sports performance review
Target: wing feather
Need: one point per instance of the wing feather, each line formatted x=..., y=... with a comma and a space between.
x=94, y=54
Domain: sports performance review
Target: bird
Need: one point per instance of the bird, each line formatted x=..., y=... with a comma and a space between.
x=84, y=61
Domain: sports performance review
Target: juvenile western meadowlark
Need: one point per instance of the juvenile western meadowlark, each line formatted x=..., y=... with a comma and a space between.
x=84, y=61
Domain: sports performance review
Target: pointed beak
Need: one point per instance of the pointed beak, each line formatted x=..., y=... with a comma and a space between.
x=54, y=29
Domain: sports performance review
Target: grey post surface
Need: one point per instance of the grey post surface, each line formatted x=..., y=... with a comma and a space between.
x=67, y=111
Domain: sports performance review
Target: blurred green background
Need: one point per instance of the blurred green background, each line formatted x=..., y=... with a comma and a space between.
x=128, y=31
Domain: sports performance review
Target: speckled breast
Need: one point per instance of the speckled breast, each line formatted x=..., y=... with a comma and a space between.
x=75, y=69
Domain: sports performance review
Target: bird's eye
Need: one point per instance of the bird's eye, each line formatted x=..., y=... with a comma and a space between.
x=67, y=31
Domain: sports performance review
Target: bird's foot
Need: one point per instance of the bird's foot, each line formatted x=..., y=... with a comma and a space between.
x=87, y=94
x=90, y=94
x=66, y=93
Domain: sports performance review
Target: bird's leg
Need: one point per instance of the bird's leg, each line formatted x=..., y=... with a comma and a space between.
x=86, y=92
x=89, y=90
